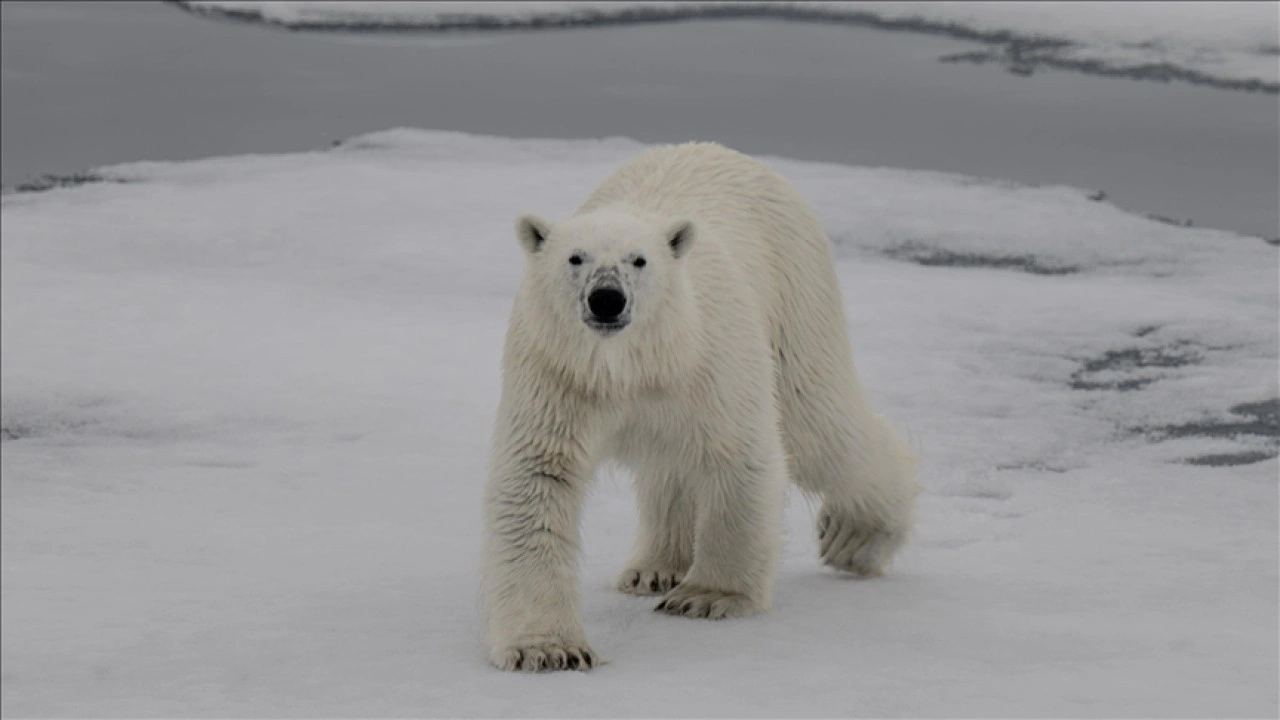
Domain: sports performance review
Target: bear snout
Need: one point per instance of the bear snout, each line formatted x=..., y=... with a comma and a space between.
x=606, y=304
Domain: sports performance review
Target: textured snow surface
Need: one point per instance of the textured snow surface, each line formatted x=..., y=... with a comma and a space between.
x=247, y=404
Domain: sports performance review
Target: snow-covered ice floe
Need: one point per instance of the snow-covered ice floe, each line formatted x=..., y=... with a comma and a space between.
x=1225, y=44
x=247, y=404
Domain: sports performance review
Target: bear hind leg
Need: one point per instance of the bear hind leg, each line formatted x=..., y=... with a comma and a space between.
x=738, y=538
x=864, y=474
x=664, y=544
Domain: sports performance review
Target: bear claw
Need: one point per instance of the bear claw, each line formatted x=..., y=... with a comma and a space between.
x=687, y=601
x=543, y=658
x=845, y=544
x=649, y=582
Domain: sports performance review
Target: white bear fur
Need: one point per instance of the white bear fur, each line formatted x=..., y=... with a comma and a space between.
x=734, y=375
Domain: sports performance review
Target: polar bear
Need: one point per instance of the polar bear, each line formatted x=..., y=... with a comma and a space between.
x=686, y=323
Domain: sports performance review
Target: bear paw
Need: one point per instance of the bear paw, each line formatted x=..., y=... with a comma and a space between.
x=849, y=545
x=543, y=657
x=696, y=602
x=648, y=581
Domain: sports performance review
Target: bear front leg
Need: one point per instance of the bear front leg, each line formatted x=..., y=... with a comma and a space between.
x=531, y=544
x=664, y=544
x=737, y=539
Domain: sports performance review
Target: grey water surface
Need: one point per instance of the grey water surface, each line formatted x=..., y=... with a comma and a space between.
x=89, y=84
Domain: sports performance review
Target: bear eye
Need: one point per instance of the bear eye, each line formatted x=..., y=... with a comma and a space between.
x=575, y=259
x=639, y=262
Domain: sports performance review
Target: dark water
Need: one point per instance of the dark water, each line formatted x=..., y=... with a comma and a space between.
x=88, y=84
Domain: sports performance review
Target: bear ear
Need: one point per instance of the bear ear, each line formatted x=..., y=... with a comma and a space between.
x=680, y=237
x=532, y=232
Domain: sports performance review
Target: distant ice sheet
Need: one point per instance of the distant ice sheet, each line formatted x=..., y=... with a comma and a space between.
x=1228, y=44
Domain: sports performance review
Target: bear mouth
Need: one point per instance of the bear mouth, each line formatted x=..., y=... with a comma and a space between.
x=606, y=328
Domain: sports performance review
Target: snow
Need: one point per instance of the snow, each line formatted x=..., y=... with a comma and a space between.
x=1225, y=40
x=247, y=404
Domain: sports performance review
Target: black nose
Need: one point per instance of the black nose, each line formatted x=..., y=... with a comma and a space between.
x=606, y=303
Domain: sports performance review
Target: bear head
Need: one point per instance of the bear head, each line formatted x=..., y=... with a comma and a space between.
x=608, y=272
